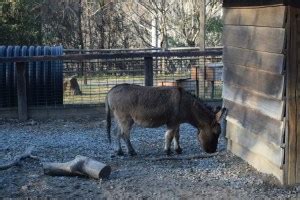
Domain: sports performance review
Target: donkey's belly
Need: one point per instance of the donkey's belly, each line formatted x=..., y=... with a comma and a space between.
x=152, y=117
x=149, y=122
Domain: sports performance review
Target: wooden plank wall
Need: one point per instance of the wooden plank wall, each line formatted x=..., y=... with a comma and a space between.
x=254, y=85
x=292, y=167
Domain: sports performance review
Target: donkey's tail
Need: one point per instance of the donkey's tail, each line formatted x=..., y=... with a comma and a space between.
x=108, y=119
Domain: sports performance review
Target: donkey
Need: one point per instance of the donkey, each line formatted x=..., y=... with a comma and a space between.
x=156, y=106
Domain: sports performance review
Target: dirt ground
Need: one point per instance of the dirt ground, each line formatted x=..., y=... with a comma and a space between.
x=223, y=176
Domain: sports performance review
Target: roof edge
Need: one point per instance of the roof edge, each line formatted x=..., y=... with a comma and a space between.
x=254, y=3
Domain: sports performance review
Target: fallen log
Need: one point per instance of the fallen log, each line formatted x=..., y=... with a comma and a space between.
x=81, y=165
x=17, y=159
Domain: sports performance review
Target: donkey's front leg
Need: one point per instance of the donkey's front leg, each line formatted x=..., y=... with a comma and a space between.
x=168, y=139
x=177, y=147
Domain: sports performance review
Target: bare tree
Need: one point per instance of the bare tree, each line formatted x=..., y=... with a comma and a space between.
x=188, y=19
x=127, y=23
x=170, y=23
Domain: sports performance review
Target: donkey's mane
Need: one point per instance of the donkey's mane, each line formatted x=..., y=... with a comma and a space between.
x=208, y=109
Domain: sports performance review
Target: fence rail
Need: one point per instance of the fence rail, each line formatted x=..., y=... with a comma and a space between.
x=81, y=57
x=88, y=76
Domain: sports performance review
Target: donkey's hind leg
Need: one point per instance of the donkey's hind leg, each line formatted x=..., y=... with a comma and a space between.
x=119, y=150
x=126, y=128
x=131, y=150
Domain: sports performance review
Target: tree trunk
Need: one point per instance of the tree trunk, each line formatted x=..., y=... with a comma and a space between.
x=73, y=86
x=200, y=39
x=80, y=28
x=81, y=165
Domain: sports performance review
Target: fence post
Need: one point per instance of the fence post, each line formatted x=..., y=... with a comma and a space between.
x=148, y=69
x=21, y=91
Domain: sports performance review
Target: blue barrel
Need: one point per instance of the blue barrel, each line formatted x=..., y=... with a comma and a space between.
x=44, y=79
x=10, y=76
x=58, y=79
x=46, y=66
x=31, y=83
x=39, y=78
x=3, y=91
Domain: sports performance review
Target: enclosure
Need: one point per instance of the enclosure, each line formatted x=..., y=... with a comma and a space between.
x=62, y=92
x=46, y=76
x=64, y=124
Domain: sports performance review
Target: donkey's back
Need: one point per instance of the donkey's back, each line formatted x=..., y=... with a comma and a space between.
x=146, y=106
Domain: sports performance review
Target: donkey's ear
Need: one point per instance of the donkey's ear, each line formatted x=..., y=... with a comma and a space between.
x=220, y=114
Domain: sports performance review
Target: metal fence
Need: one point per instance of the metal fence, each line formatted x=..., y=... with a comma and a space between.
x=88, y=75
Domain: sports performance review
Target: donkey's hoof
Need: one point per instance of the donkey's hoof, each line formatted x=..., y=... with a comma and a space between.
x=119, y=152
x=179, y=150
x=168, y=152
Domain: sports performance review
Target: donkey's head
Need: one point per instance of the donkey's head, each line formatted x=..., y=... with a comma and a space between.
x=209, y=135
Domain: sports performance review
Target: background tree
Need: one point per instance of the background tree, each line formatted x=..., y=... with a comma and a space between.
x=104, y=24
x=19, y=24
x=214, y=24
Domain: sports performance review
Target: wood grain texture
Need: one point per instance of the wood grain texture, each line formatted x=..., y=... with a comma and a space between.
x=264, y=39
x=260, y=16
x=271, y=107
x=256, y=144
x=256, y=160
x=297, y=65
x=263, y=126
x=270, y=62
x=81, y=165
x=105, y=56
x=254, y=79
x=291, y=153
x=296, y=57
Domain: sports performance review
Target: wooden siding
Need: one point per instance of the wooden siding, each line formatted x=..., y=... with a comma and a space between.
x=269, y=62
x=257, y=161
x=254, y=85
x=253, y=142
x=264, y=16
x=268, y=106
x=264, y=39
x=257, y=80
x=268, y=128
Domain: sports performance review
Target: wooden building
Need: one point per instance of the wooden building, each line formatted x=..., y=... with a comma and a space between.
x=262, y=84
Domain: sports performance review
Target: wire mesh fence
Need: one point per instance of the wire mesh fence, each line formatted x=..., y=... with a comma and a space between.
x=86, y=80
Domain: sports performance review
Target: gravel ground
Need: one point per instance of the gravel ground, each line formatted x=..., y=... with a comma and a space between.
x=223, y=176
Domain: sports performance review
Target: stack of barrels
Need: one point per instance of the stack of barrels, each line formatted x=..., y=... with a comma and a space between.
x=44, y=80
